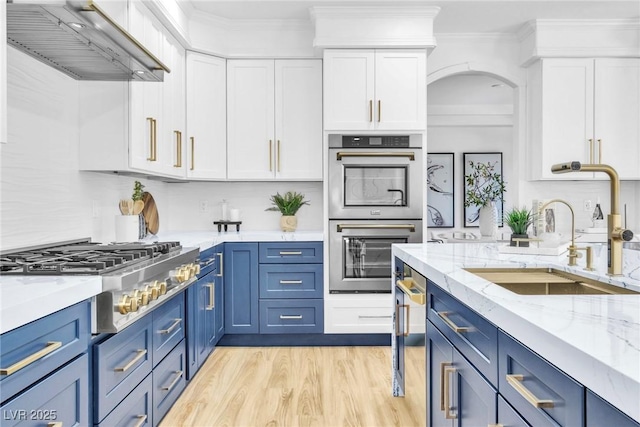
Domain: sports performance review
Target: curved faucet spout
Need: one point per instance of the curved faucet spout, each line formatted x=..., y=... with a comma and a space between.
x=573, y=255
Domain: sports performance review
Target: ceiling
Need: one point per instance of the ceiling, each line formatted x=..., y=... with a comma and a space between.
x=456, y=16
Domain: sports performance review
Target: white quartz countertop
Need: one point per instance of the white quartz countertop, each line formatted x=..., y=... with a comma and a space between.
x=24, y=299
x=207, y=239
x=593, y=338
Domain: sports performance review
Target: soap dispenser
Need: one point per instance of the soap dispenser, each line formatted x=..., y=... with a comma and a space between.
x=597, y=217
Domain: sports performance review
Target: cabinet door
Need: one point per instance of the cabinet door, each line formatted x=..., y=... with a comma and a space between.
x=206, y=117
x=400, y=326
x=250, y=123
x=439, y=357
x=241, y=288
x=172, y=144
x=475, y=402
x=400, y=89
x=298, y=119
x=617, y=109
x=219, y=309
x=145, y=98
x=349, y=89
x=602, y=413
x=508, y=417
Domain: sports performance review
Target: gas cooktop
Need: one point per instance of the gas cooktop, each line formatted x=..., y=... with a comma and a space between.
x=84, y=257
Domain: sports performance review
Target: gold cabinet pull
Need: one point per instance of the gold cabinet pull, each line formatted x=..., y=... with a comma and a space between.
x=515, y=381
x=444, y=315
x=495, y=425
x=410, y=227
x=379, y=110
x=221, y=255
x=170, y=329
x=590, y=150
x=152, y=139
x=49, y=348
x=270, y=155
x=370, y=111
x=397, y=314
x=291, y=282
x=289, y=317
x=178, y=163
x=212, y=301
x=600, y=151
x=278, y=155
x=442, y=380
x=290, y=252
x=448, y=370
x=55, y=424
x=141, y=420
x=174, y=382
x=410, y=155
x=193, y=152
x=140, y=354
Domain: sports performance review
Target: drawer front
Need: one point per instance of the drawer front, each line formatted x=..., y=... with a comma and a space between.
x=290, y=252
x=602, y=413
x=61, y=398
x=168, y=381
x=33, y=351
x=291, y=281
x=471, y=334
x=119, y=364
x=349, y=318
x=291, y=316
x=561, y=399
x=168, y=327
x=507, y=416
x=135, y=410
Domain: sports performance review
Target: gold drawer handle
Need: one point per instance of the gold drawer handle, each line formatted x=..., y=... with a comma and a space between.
x=50, y=347
x=291, y=282
x=193, y=153
x=515, y=381
x=212, y=301
x=142, y=419
x=290, y=252
x=170, y=329
x=174, y=382
x=285, y=317
x=221, y=255
x=178, y=163
x=447, y=405
x=56, y=424
x=133, y=361
x=495, y=425
x=444, y=315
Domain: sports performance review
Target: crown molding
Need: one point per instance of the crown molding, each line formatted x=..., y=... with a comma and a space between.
x=364, y=12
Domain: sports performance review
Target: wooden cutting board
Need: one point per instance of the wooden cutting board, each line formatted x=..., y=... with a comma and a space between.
x=150, y=213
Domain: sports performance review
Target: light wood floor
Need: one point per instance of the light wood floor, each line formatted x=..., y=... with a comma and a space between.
x=301, y=386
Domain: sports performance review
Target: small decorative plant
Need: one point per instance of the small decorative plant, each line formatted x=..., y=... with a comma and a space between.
x=137, y=191
x=484, y=184
x=518, y=221
x=288, y=205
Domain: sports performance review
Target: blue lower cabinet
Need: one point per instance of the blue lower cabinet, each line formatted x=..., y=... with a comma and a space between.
x=241, y=288
x=295, y=316
x=400, y=325
x=135, y=410
x=537, y=390
x=218, y=289
x=602, y=413
x=508, y=417
x=169, y=380
x=291, y=281
x=169, y=322
x=49, y=343
x=61, y=398
x=290, y=252
x=119, y=364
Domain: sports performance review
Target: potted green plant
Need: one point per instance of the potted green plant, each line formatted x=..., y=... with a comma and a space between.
x=518, y=221
x=288, y=205
x=483, y=187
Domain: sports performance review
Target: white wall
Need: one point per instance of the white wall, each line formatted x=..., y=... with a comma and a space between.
x=46, y=199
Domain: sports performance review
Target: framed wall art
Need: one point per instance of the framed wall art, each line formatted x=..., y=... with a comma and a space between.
x=494, y=163
x=440, y=190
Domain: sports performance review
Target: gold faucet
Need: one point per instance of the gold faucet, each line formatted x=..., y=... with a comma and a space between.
x=573, y=249
x=615, y=233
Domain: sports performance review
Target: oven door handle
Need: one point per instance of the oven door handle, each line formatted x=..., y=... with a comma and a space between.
x=409, y=154
x=410, y=227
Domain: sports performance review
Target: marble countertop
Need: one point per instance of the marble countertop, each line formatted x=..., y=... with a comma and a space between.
x=593, y=338
x=24, y=299
x=28, y=298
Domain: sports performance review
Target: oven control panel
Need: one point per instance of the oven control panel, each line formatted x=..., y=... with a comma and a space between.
x=369, y=141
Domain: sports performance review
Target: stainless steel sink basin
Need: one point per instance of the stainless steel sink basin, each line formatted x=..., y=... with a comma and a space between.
x=546, y=281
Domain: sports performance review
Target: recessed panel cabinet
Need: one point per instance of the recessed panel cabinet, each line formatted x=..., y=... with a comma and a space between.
x=274, y=119
x=585, y=110
x=207, y=117
x=375, y=89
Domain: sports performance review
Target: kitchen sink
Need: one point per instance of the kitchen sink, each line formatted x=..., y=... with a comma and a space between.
x=547, y=281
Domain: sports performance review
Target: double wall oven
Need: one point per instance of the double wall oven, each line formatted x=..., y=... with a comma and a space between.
x=375, y=200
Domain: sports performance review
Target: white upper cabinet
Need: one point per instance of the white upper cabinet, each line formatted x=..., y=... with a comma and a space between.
x=206, y=117
x=585, y=110
x=274, y=119
x=375, y=89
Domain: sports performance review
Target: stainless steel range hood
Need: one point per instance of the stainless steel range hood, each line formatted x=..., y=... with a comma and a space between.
x=79, y=39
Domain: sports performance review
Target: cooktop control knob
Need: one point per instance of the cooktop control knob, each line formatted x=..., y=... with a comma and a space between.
x=162, y=288
x=127, y=304
x=144, y=297
x=152, y=290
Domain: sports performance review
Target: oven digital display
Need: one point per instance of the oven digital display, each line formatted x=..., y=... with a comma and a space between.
x=373, y=141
